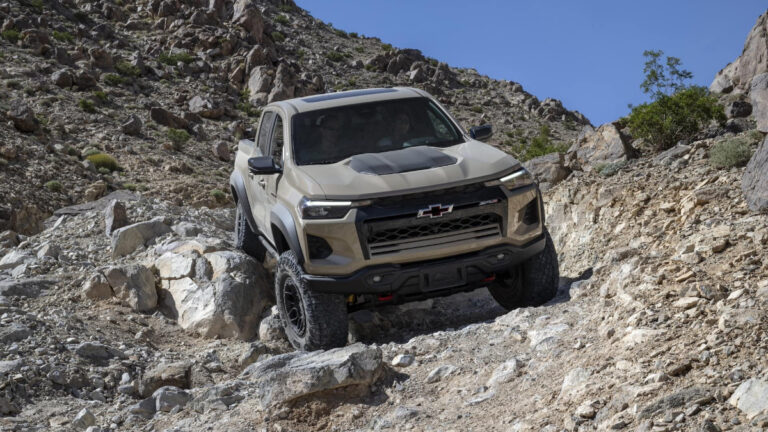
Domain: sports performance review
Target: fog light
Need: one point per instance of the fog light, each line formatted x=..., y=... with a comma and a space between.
x=500, y=256
x=377, y=278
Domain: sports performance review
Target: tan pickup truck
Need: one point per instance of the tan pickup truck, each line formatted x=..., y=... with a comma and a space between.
x=377, y=197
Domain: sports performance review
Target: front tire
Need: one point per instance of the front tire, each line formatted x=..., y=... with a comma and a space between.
x=312, y=320
x=532, y=283
x=245, y=239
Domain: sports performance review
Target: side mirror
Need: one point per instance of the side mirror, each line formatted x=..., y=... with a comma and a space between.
x=481, y=133
x=263, y=165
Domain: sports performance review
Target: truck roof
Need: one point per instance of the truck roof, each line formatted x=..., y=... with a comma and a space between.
x=350, y=97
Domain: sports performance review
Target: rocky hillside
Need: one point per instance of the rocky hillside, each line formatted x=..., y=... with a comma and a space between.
x=165, y=88
x=133, y=311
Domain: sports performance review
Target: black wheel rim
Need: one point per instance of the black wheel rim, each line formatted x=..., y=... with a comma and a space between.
x=294, y=308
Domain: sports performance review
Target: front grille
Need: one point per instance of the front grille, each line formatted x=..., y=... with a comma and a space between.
x=396, y=236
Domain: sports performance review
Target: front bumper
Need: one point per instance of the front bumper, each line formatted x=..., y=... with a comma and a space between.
x=399, y=283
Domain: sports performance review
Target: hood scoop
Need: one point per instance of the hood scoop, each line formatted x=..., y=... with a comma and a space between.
x=400, y=161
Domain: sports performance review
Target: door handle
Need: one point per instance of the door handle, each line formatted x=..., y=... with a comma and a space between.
x=263, y=183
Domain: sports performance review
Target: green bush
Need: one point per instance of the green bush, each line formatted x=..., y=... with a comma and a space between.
x=609, y=169
x=172, y=59
x=218, y=195
x=11, y=35
x=282, y=19
x=101, y=96
x=127, y=69
x=86, y=105
x=278, y=37
x=386, y=47
x=130, y=186
x=476, y=109
x=730, y=153
x=178, y=137
x=334, y=56
x=104, y=161
x=114, y=80
x=540, y=145
x=341, y=33
x=63, y=36
x=670, y=119
x=53, y=186
x=353, y=35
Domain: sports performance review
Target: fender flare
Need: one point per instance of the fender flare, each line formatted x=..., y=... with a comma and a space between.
x=281, y=218
x=238, y=191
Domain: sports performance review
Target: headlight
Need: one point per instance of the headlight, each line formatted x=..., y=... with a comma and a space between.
x=320, y=209
x=515, y=180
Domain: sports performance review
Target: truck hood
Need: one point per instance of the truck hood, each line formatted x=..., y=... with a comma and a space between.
x=410, y=170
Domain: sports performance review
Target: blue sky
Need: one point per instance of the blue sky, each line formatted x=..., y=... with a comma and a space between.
x=586, y=53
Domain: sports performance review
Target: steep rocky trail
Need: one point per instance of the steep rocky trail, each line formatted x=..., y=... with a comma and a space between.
x=659, y=320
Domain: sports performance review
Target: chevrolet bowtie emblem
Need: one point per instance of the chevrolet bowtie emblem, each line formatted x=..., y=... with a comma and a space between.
x=435, y=210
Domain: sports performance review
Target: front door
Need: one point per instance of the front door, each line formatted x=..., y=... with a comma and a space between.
x=257, y=184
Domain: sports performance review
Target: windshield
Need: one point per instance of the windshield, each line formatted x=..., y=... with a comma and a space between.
x=332, y=135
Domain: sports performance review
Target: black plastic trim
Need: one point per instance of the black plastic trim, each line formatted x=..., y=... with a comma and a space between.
x=396, y=277
x=282, y=219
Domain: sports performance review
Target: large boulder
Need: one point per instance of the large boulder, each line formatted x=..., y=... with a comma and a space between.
x=755, y=180
x=549, y=169
x=753, y=61
x=287, y=377
x=751, y=397
x=247, y=16
x=606, y=144
x=221, y=294
x=134, y=285
x=167, y=118
x=260, y=84
x=758, y=93
x=23, y=117
x=205, y=107
x=127, y=239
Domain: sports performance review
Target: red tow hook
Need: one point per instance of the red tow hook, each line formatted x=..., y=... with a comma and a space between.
x=387, y=297
x=490, y=278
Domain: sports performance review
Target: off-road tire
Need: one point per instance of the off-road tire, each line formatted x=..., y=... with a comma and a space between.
x=532, y=283
x=325, y=322
x=245, y=239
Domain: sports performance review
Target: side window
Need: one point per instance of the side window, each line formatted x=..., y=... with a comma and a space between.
x=277, y=140
x=265, y=130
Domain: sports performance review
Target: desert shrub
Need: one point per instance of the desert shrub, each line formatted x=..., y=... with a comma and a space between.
x=114, y=79
x=127, y=69
x=63, y=36
x=609, y=169
x=130, y=186
x=476, y=109
x=677, y=110
x=340, y=33
x=172, y=59
x=86, y=105
x=386, y=47
x=286, y=8
x=103, y=161
x=278, y=37
x=540, y=145
x=334, y=56
x=53, y=186
x=370, y=67
x=360, y=48
x=353, y=35
x=11, y=35
x=670, y=119
x=178, y=137
x=101, y=96
x=218, y=195
x=282, y=19
x=730, y=153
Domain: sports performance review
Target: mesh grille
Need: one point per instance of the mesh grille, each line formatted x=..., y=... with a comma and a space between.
x=433, y=233
x=441, y=227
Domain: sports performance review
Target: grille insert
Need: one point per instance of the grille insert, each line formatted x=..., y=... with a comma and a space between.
x=431, y=233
